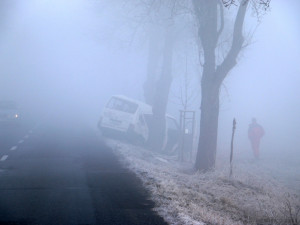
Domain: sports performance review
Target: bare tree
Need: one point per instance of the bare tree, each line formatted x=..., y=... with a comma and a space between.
x=210, y=19
x=160, y=16
x=171, y=15
x=156, y=19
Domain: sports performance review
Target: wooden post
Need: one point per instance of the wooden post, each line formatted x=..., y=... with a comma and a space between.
x=231, y=152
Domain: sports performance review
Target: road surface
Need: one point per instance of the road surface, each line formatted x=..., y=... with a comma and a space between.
x=66, y=175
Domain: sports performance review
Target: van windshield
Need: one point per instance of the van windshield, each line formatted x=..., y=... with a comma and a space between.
x=122, y=105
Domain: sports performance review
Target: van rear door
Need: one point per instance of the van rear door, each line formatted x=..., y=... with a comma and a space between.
x=119, y=114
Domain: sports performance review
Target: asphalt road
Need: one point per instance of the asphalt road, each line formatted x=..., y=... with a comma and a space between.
x=64, y=174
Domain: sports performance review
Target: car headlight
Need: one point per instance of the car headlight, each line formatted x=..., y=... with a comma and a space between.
x=16, y=115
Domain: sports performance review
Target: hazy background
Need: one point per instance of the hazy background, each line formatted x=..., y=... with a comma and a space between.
x=68, y=57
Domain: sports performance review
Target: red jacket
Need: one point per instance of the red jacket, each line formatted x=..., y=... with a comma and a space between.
x=255, y=131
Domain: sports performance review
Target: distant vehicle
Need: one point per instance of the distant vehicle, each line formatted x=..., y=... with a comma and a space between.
x=129, y=118
x=9, y=113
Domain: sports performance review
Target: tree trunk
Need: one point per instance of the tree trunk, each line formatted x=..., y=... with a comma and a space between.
x=157, y=127
x=207, y=14
x=207, y=147
x=152, y=67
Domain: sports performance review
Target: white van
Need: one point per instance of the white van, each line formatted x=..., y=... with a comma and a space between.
x=124, y=115
x=130, y=118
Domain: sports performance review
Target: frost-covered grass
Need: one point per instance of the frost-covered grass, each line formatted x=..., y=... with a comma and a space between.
x=251, y=196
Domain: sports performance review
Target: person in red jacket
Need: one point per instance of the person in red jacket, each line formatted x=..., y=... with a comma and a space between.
x=255, y=133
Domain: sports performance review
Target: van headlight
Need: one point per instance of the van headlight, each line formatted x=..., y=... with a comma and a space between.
x=16, y=115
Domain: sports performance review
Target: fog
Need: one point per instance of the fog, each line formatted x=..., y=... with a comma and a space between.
x=53, y=61
x=68, y=57
x=265, y=83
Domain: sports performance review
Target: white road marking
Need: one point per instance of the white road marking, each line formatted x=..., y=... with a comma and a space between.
x=3, y=158
x=21, y=141
x=14, y=148
x=26, y=136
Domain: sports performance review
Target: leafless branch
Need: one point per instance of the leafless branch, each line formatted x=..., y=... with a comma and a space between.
x=228, y=3
x=236, y=46
x=221, y=20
